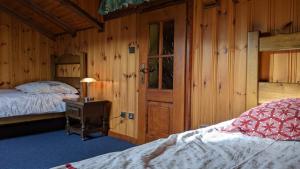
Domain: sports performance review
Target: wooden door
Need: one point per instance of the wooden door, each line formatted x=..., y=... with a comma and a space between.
x=162, y=69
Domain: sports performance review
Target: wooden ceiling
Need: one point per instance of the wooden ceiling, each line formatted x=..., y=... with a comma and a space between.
x=55, y=17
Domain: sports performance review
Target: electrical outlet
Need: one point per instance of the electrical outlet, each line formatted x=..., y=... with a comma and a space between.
x=131, y=116
x=123, y=115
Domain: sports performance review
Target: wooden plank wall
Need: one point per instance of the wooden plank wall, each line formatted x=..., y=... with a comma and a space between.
x=110, y=63
x=24, y=53
x=220, y=53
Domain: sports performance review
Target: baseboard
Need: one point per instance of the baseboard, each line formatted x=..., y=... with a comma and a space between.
x=123, y=137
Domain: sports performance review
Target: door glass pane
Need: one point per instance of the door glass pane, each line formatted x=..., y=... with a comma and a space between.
x=153, y=66
x=168, y=38
x=167, y=72
x=153, y=39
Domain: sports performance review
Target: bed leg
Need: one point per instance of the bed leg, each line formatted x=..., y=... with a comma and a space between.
x=68, y=125
x=82, y=134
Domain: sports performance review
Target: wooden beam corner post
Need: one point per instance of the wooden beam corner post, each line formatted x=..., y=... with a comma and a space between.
x=188, y=64
x=252, y=70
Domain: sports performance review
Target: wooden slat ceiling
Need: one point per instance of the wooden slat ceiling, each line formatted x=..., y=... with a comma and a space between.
x=55, y=17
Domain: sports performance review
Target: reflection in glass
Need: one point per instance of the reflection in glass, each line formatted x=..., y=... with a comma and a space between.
x=153, y=39
x=167, y=72
x=153, y=66
x=168, y=38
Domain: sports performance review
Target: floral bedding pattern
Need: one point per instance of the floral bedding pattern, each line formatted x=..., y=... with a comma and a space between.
x=279, y=120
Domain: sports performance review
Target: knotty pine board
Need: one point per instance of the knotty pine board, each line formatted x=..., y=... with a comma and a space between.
x=223, y=63
x=110, y=63
x=196, y=65
x=24, y=53
x=231, y=36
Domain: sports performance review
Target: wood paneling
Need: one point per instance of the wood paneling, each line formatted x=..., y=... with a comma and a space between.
x=218, y=65
x=220, y=54
x=110, y=62
x=275, y=91
x=159, y=120
x=24, y=53
x=68, y=70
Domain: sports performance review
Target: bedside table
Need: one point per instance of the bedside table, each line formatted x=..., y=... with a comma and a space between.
x=87, y=117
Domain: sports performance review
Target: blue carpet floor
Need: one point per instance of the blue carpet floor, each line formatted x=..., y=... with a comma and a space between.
x=51, y=149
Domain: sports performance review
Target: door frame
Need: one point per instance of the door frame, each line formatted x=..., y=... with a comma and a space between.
x=187, y=76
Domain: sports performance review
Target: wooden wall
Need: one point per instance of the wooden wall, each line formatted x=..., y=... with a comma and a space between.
x=24, y=53
x=110, y=63
x=220, y=51
x=219, y=57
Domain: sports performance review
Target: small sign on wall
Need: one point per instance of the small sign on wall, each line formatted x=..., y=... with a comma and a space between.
x=131, y=49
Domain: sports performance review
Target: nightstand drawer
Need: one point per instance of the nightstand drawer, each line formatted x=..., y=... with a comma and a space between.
x=73, y=111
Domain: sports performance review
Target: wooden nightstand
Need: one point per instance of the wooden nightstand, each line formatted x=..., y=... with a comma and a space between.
x=87, y=117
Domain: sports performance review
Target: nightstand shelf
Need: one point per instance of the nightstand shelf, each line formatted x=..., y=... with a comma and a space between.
x=85, y=118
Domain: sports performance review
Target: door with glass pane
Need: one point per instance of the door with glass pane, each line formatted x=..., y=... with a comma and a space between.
x=162, y=66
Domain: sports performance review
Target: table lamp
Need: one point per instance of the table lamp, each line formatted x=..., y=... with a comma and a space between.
x=88, y=80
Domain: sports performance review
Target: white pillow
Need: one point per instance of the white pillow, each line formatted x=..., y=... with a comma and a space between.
x=47, y=87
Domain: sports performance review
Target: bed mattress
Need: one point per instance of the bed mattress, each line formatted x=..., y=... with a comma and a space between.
x=17, y=103
x=203, y=148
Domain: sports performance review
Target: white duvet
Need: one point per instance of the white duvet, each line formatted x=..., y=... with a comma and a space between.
x=207, y=148
x=16, y=103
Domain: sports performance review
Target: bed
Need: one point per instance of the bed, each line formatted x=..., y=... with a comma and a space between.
x=222, y=145
x=17, y=106
x=205, y=148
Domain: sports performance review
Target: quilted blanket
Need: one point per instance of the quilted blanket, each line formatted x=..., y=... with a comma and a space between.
x=16, y=103
x=207, y=148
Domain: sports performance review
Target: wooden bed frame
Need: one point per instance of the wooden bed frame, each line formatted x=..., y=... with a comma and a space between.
x=60, y=72
x=260, y=92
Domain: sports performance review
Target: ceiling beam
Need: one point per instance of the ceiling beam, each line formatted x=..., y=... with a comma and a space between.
x=75, y=8
x=55, y=20
x=28, y=22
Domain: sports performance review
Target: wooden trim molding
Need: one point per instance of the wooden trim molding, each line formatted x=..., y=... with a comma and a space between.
x=55, y=20
x=188, y=65
x=28, y=21
x=122, y=137
x=75, y=8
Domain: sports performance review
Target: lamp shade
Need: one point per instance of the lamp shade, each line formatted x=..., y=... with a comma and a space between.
x=88, y=80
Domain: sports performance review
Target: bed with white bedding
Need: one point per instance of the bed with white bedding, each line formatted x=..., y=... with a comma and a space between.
x=43, y=100
x=266, y=136
x=205, y=148
x=16, y=103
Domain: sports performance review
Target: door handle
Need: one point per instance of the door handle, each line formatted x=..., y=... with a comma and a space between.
x=143, y=71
